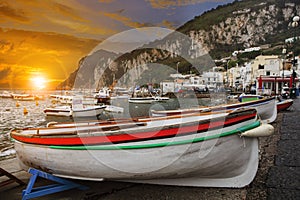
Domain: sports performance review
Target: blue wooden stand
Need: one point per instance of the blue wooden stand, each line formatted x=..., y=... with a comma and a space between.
x=62, y=185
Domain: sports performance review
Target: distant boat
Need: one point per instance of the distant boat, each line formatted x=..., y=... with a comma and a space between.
x=103, y=95
x=267, y=109
x=194, y=149
x=68, y=99
x=68, y=111
x=88, y=111
x=147, y=99
x=6, y=94
x=115, y=109
x=62, y=111
x=23, y=97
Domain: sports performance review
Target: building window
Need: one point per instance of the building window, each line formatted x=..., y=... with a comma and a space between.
x=261, y=66
x=268, y=73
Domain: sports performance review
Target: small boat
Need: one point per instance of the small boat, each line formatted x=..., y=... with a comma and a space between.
x=199, y=149
x=6, y=94
x=284, y=104
x=114, y=109
x=23, y=97
x=68, y=111
x=88, y=111
x=148, y=99
x=62, y=111
x=103, y=95
x=266, y=108
x=249, y=97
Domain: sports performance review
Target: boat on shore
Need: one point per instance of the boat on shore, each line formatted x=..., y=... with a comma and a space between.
x=266, y=108
x=284, y=104
x=199, y=149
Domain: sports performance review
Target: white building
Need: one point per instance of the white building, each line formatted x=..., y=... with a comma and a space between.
x=214, y=78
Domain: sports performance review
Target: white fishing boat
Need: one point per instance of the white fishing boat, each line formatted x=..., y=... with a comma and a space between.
x=60, y=111
x=147, y=99
x=6, y=94
x=203, y=149
x=88, y=111
x=114, y=109
x=266, y=108
x=23, y=97
x=68, y=111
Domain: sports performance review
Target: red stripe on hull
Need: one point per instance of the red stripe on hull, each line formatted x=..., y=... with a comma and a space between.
x=93, y=140
x=284, y=106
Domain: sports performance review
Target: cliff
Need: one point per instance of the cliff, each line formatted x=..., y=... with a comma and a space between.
x=216, y=33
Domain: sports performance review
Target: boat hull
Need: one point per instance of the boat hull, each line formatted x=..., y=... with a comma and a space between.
x=266, y=109
x=63, y=111
x=89, y=111
x=198, y=164
x=284, y=105
x=176, y=150
x=146, y=100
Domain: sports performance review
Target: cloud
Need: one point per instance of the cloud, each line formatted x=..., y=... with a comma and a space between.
x=55, y=55
x=106, y=1
x=168, y=24
x=6, y=46
x=4, y=72
x=67, y=11
x=164, y=4
x=7, y=11
x=81, y=27
x=123, y=19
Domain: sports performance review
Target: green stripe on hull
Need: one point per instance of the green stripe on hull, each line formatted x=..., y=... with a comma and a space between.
x=163, y=144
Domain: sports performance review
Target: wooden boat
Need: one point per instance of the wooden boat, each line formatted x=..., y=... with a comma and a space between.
x=62, y=111
x=23, y=97
x=114, y=109
x=68, y=111
x=202, y=149
x=284, y=104
x=6, y=94
x=266, y=108
x=88, y=111
x=281, y=103
x=147, y=99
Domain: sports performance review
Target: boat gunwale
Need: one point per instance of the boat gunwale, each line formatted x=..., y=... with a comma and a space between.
x=111, y=136
x=211, y=108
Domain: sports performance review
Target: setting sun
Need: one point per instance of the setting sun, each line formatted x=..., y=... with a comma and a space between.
x=39, y=82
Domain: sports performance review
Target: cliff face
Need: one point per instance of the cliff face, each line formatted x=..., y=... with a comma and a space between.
x=221, y=31
x=261, y=23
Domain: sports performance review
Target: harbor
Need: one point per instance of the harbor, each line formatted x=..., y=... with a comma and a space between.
x=277, y=175
x=106, y=100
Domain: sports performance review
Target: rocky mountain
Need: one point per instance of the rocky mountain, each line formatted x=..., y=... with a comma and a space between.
x=192, y=48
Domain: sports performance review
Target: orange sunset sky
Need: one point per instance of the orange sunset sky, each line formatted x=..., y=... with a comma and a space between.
x=41, y=41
